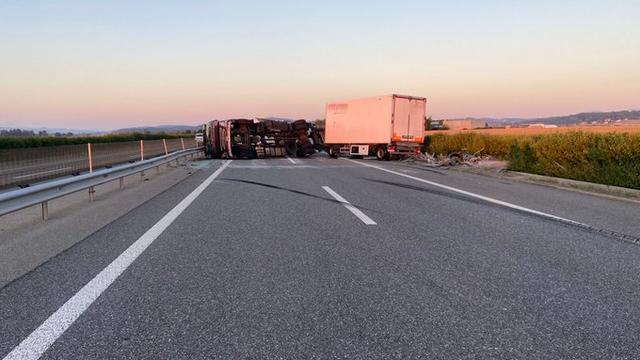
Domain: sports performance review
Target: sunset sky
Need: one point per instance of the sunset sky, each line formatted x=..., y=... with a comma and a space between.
x=110, y=64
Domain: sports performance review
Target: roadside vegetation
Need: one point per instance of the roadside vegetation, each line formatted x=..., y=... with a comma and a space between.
x=12, y=142
x=604, y=158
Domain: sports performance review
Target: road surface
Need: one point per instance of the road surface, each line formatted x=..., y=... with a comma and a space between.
x=321, y=258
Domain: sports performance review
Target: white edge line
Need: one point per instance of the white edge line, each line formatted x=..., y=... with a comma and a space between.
x=481, y=197
x=354, y=210
x=33, y=346
x=292, y=161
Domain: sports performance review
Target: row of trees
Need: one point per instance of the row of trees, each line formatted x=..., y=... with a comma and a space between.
x=30, y=133
x=14, y=142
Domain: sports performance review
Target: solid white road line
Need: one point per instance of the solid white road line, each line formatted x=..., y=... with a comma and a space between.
x=365, y=219
x=292, y=161
x=46, y=334
x=470, y=194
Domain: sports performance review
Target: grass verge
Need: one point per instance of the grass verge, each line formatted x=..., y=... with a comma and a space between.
x=603, y=158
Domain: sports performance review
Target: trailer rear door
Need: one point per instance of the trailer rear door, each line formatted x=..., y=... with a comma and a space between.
x=408, y=120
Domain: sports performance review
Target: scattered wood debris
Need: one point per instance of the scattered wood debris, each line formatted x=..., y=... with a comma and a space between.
x=453, y=159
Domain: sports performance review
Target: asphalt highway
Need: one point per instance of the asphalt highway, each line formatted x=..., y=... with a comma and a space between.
x=320, y=258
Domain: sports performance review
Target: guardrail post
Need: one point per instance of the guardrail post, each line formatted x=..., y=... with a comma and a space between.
x=158, y=169
x=164, y=142
x=90, y=158
x=182, y=142
x=141, y=150
x=60, y=188
x=45, y=210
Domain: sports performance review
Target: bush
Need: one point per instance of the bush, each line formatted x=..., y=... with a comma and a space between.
x=7, y=142
x=496, y=145
x=611, y=159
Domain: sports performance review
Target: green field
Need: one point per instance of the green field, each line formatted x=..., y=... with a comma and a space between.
x=10, y=142
x=604, y=158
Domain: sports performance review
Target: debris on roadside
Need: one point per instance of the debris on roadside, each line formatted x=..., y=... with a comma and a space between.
x=451, y=160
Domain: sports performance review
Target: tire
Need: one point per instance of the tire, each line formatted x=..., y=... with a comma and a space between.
x=334, y=152
x=455, y=159
x=246, y=154
x=306, y=150
x=291, y=147
x=382, y=153
x=299, y=125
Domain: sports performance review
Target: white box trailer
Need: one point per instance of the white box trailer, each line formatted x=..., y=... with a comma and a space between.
x=384, y=126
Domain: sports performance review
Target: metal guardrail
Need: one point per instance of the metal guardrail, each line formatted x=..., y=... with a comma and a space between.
x=43, y=193
x=20, y=167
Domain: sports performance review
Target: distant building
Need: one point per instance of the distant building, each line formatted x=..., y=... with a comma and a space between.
x=434, y=124
x=544, y=126
x=465, y=124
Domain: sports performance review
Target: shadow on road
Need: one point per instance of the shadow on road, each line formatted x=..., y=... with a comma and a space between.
x=298, y=192
x=430, y=191
x=588, y=228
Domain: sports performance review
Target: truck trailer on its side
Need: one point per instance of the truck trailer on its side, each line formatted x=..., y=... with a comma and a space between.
x=263, y=138
x=384, y=126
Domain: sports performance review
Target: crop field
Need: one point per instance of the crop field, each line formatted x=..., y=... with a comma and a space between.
x=601, y=129
x=12, y=142
x=605, y=158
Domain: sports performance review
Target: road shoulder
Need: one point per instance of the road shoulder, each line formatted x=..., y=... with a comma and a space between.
x=27, y=242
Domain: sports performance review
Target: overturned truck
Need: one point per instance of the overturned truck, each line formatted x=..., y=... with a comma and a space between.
x=260, y=138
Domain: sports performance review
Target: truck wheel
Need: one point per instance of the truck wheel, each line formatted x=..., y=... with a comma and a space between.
x=300, y=125
x=246, y=154
x=291, y=147
x=382, y=153
x=334, y=151
x=306, y=150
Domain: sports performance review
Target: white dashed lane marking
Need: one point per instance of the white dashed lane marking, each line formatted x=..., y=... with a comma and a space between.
x=365, y=219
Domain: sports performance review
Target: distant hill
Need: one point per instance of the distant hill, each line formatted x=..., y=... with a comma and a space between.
x=570, y=119
x=54, y=130
x=169, y=129
x=157, y=129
